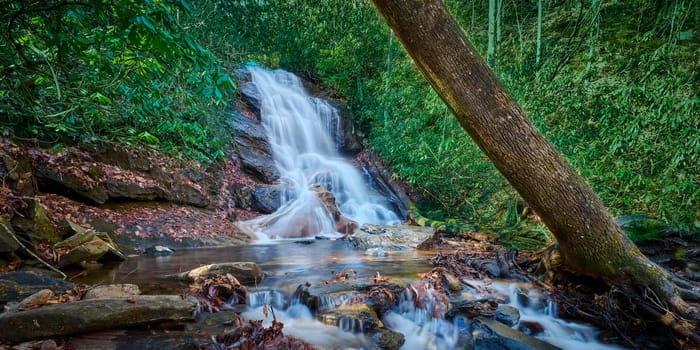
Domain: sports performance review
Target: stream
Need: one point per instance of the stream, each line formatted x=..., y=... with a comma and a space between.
x=288, y=264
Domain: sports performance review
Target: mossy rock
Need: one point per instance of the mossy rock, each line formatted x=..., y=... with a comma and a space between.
x=34, y=223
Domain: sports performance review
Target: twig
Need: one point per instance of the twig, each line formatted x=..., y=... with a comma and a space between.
x=12, y=234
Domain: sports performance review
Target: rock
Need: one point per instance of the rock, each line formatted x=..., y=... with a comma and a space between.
x=254, y=149
x=508, y=315
x=532, y=298
x=349, y=142
x=246, y=272
x=78, y=235
x=37, y=299
x=88, y=251
x=385, y=339
x=377, y=252
x=112, y=291
x=451, y=281
x=74, y=180
x=242, y=196
x=251, y=97
x=491, y=268
x=158, y=250
x=356, y=318
x=342, y=223
x=390, y=237
x=34, y=222
x=472, y=309
x=17, y=285
x=531, y=327
x=139, y=190
x=489, y=334
x=16, y=172
x=7, y=242
x=266, y=199
x=93, y=315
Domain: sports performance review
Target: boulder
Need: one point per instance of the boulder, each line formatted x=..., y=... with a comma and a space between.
x=489, y=334
x=93, y=315
x=254, y=149
x=242, y=196
x=251, y=97
x=72, y=179
x=78, y=235
x=342, y=223
x=266, y=199
x=508, y=315
x=87, y=251
x=356, y=318
x=472, y=309
x=7, y=240
x=112, y=291
x=397, y=237
x=385, y=339
x=34, y=223
x=245, y=272
x=158, y=250
x=17, y=285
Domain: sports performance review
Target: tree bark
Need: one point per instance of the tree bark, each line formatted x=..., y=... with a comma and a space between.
x=590, y=243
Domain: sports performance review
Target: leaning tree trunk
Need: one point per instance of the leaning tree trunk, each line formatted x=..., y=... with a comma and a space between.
x=590, y=242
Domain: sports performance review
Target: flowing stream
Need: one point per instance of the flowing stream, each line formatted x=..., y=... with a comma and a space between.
x=302, y=132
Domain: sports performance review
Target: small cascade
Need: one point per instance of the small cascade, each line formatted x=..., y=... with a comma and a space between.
x=536, y=309
x=301, y=131
x=419, y=317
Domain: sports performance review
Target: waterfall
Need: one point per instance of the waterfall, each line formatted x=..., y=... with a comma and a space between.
x=301, y=131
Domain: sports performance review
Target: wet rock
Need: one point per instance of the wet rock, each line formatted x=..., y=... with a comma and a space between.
x=266, y=199
x=356, y=318
x=385, y=339
x=17, y=285
x=489, y=334
x=254, y=149
x=508, y=315
x=449, y=280
x=532, y=298
x=390, y=237
x=34, y=223
x=158, y=250
x=343, y=131
x=251, y=97
x=323, y=296
x=112, y=291
x=246, y=272
x=531, y=327
x=93, y=315
x=376, y=252
x=7, y=242
x=472, y=309
x=342, y=223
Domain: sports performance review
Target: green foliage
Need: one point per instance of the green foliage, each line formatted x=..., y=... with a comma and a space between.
x=615, y=90
x=109, y=69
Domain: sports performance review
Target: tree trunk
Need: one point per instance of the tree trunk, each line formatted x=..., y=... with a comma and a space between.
x=491, y=51
x=590, y=243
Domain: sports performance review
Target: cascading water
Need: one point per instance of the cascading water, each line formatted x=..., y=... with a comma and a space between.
x=300, y=128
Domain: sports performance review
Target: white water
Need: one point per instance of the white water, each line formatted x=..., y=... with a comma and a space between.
x=299, y=128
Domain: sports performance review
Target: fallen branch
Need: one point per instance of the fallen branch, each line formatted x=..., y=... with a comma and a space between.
x=17, y=240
